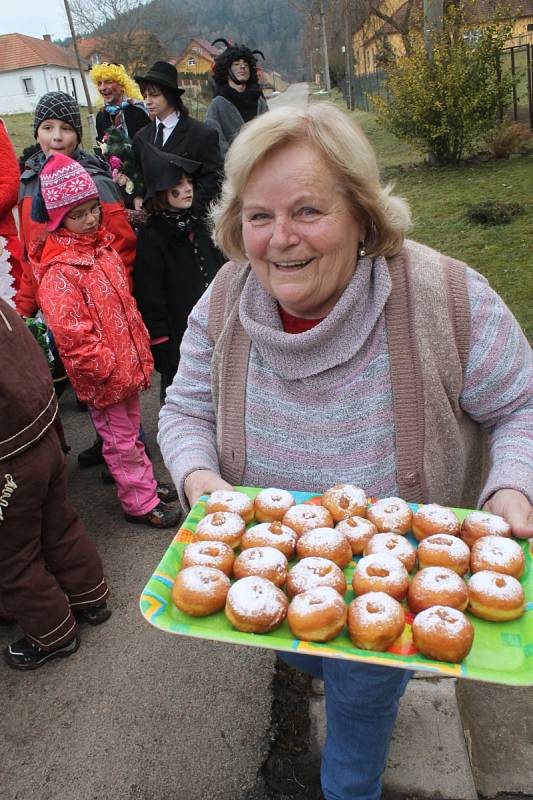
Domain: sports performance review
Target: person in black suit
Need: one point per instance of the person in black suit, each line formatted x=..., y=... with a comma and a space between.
x=173, y=131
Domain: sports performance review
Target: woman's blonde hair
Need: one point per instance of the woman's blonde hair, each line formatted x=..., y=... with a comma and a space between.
x=345, y=150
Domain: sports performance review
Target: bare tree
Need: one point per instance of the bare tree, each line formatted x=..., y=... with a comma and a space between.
x=124, y=29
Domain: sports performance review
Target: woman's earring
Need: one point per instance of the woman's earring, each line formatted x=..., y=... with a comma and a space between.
x=362, y=249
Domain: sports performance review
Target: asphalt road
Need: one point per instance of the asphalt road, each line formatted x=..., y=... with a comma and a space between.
x=296, y=95
x=135, y=714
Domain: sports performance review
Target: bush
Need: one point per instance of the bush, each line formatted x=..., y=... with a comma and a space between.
x=493, y=212
x=445, y=104
x=507, y=138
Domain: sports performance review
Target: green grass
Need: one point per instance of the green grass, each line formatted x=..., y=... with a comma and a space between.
x=20, y=126
x=438, y=197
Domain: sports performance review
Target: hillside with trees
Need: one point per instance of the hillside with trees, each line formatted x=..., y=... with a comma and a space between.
x=272, y=26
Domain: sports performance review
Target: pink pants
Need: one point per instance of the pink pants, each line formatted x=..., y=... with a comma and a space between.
x=124, y=454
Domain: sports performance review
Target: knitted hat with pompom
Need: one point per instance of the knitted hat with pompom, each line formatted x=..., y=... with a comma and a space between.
x=64, y=184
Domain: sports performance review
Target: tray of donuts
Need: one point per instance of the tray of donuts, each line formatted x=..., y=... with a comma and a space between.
x=341, y=575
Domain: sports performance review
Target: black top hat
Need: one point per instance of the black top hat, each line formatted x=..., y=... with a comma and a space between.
x=163, y=170
x=162, y=74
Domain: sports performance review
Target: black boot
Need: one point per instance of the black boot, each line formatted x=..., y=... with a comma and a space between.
x=92, y=456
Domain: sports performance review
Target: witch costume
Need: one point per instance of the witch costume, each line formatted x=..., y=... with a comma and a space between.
x=176, y=261
x=231, y=108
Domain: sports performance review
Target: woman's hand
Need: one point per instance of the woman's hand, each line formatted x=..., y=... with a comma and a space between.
x=204, y=481
x=515, y=508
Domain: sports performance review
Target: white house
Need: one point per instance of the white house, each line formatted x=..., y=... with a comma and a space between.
x=30, y=67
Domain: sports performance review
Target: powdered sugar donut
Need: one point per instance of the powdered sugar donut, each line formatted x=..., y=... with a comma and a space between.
x=443, y=550
x=381, y=573
x=325, y=543
x=271, y=534
x=255, y=605
x=267, y=562
x=271, y=505
x=200, y=591
x=345, y=500
x=358, y=531
x=236, y=502
x=481, y=523
x=217, y=555
x=499, y=555
x=432, y=518
x=391, y=515
x=395, y=545
x=495, y=597
x=375, y=621
x=317, y=615
x=304, y=517
x=222, y=526
x=443, y=633
x=437, y=586
x=312, y=572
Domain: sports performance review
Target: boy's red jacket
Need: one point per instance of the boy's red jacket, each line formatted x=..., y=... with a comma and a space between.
x=33, y=234
x=87, y=304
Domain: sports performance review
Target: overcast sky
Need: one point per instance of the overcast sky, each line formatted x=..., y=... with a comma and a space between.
x=34, y=17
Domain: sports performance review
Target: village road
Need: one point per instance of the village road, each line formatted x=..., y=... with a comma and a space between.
x=296, y=96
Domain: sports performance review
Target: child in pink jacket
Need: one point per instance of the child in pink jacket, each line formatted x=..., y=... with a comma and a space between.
x=99, y=333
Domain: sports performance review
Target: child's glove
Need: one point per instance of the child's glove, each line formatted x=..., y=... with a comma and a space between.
x=161, y=354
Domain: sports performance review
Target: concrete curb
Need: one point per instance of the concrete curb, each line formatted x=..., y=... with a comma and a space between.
x=454, y=740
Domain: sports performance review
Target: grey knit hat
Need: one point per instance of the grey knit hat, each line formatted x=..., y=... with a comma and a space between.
x=58, y=105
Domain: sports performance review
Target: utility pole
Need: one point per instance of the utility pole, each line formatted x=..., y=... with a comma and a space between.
x=433, y=12
x=92, y=123
x=325, y=59
x=348, y=51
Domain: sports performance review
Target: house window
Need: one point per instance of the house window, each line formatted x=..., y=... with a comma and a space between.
x=74, y=92
x=530, y=26
x=472, y=36
x=66, y=83
x=28, y=86
x=58, y=85
x=191, y=61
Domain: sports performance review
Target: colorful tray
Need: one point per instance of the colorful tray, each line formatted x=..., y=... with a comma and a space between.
x=501, y=653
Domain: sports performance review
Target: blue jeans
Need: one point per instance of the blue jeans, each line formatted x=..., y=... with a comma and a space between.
x=361, y=707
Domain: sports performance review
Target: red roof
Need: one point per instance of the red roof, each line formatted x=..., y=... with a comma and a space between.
x=18, y=51
x=209, y=50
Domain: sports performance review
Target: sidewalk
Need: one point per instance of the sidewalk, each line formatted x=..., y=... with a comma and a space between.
x=455, y=740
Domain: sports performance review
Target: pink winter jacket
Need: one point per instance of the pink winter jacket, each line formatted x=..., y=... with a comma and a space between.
x=87, y=304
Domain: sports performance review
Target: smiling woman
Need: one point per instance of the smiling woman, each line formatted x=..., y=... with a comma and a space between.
x=315, y=358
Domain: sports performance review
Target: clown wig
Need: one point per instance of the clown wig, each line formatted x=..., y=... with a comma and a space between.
x=116, y=72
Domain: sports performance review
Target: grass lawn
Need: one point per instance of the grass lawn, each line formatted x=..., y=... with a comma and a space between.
x=20, y=126
x=438, y=197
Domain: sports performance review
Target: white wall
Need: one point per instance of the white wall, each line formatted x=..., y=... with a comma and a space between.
x=15, y=100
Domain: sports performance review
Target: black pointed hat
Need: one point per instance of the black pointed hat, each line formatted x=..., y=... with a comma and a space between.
x=163, y=170
x=162, y=74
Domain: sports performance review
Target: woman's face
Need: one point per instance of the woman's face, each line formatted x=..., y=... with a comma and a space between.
x=156, y=103
x=299, y=232
x=181, y=195
x=55, y=136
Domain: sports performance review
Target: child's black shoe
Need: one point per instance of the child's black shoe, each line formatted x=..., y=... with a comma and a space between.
x=92, y=456
x=162, y=516
x=166, y=492
x=24, y=654
x=95, y=615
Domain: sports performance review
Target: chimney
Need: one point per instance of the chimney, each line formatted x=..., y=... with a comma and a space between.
x=47, y=37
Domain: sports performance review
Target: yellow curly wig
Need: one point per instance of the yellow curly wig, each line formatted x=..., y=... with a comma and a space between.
x=116, y=72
